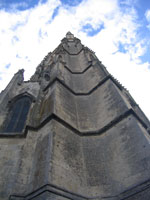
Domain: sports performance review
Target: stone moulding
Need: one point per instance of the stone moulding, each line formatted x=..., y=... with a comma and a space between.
x=75, y=93
x=89, y=133
x=86, y=69
x=61, y=192
x=22, y=95
x=76, y=131
x=51, y=189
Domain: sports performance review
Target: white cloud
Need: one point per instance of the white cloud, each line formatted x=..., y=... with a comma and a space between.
x=27, y=36
x=147, y=15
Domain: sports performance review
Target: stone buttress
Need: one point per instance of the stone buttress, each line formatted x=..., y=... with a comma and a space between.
x=79, y=135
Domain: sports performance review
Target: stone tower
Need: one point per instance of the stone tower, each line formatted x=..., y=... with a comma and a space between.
x=72, y=132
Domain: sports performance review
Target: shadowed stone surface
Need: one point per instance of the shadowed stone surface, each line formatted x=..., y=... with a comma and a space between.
x=84, y=137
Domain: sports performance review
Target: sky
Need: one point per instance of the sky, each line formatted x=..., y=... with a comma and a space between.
x=118, y=31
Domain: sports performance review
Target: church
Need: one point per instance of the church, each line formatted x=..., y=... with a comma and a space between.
x=72, y=132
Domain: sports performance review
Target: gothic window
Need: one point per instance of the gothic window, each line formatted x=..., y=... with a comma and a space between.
x=17, y=115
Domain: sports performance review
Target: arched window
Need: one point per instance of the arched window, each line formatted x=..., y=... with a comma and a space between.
x=17, y=115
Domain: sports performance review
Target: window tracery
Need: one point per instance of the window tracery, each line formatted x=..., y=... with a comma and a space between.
x=17, y=115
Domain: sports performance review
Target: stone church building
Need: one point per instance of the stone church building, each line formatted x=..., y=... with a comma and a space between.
x=72, y=132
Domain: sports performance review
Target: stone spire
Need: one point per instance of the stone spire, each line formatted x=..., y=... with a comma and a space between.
x=83, y=135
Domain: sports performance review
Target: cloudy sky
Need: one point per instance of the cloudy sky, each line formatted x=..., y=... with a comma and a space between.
x=118, y=31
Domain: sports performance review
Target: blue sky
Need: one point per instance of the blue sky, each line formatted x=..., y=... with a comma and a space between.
x=118, y=31
x=27, y=4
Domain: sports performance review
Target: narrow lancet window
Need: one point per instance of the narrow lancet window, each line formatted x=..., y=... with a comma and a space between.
x=17, y=115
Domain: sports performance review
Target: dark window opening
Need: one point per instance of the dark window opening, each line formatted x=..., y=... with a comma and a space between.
x=17, y=115
x=47, y=77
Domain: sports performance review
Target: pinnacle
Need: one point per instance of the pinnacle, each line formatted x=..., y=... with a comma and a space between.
x=20, y=71
x=69, y=35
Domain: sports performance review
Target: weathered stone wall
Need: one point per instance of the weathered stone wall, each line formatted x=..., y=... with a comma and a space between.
x=84, y=137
